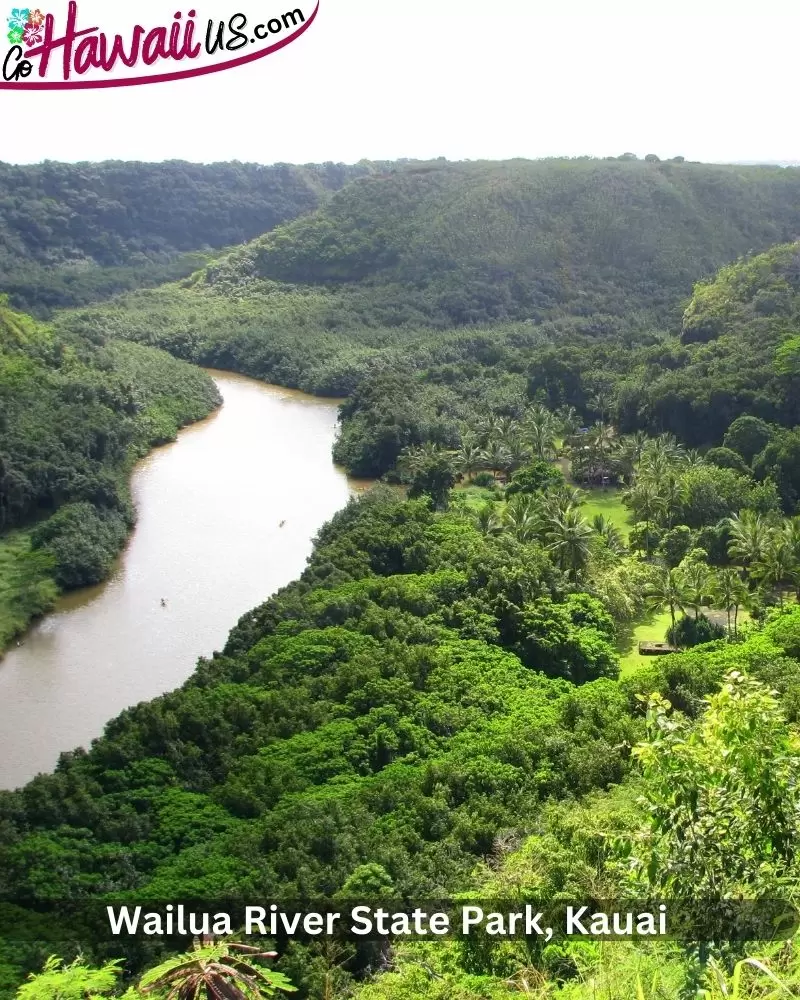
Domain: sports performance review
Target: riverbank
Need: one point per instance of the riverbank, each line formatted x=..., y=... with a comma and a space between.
x=140, y=398
x=226, y=516
x=27, y=588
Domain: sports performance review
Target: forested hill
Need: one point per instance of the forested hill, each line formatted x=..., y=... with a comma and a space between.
x=74, y=414
x=490, y=240
x=64, y=226
x=424, y=291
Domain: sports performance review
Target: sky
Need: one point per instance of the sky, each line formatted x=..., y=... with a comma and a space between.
x=384, y=79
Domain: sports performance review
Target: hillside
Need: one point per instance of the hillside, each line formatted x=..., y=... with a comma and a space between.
x=74, y=415
x=594, y=246
x=424, y=291
x=518, y=238
x=431, y=710
x=437, y=708
x=74, y=233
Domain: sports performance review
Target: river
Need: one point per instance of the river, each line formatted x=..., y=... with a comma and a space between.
x=208, y=541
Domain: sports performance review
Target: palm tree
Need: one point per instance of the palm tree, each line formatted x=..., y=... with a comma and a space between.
x=486, y=428
x=556, y=502
x=666, y=589
x=505, y=428
x=567, y=420
x=673, y=492
x=224, y=971
x=522, y=516
x=661, y=455
x=487, y=519
x=610, y=534
x=569, y=538
x=729, y=594
x=628, y=454
x=645, y=499
x=414, y=457
x=469, y=458
x=600, y=401
x=791, y=532
x=696, y=582
x=542, y=436
x=655, y=464
x=749, y=537
x=518, y=452
x=776, y=562
x=496, y=457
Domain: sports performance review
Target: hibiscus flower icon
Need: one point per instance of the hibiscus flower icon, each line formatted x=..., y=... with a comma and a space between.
x=35, y=18
x=19, y=18
x=33, y=35
x=15, y=36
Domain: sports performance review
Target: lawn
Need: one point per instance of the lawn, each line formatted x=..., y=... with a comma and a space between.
x=608, y=502
x=652, y=629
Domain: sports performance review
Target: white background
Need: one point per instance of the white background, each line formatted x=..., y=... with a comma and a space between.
x=425, y=78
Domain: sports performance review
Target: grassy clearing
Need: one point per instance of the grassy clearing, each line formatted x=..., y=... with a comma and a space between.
x=608, y=502
x=652, y=629
x=475, y=496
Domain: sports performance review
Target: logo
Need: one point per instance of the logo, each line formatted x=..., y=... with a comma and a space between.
x=45, y=50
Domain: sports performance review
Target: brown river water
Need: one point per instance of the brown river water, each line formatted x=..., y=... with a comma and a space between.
x=208, y=541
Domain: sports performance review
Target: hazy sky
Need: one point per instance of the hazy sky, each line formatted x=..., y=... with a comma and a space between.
x=422, y=78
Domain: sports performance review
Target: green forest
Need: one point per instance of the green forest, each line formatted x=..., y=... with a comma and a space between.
x=75, y=414
x=74, y=233
x=579, y=382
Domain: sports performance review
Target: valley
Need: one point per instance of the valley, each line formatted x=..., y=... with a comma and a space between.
x=578, y=382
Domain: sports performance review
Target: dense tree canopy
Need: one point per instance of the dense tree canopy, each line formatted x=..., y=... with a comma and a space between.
x=74, y=415
x=443, y=703
x=74, y=233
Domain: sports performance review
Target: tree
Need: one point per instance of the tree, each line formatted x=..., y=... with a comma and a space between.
x=76, y=981
x=689, y=632
x=644, y=536
x=368, y=882
x=723, y=798
x=569, y=538
x=225, y=971
x=487, y=520
x=727, y=458
x=749, y=534
x=729, y=593
x=609, y=533
x=572, y=639
x=711, y=495
x=675, y=544
x=666, y=590
x=696, y=582
x=537, y=477
x=776, y=562
x=434, y=477
x=780, y=461
x=748, y=436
